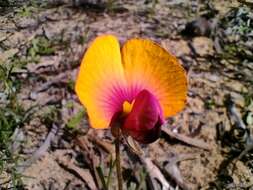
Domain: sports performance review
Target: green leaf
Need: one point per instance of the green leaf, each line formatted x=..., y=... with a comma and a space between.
x=249, y=118
x=102, y=178
x=112, y=165
x=76, y=119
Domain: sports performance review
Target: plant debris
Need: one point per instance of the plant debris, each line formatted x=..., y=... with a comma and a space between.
x=45, y=138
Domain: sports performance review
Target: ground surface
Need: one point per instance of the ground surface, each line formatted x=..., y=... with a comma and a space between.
x=44, y=44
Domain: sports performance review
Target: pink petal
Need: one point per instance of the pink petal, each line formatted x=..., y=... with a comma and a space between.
x=144, y=121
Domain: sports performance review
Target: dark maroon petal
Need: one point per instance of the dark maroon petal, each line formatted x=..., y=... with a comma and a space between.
x=144, y=121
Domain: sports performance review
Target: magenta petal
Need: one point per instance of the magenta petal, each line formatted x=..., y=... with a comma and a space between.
x=144, y=121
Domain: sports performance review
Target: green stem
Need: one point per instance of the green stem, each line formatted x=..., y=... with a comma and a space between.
x=118, y=165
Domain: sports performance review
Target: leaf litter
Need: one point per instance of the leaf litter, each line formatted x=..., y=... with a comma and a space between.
x=218, y=155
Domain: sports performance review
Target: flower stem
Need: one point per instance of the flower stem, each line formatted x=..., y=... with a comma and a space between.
x=118, y=165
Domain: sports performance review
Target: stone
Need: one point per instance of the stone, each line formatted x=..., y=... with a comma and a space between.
x=202, y=46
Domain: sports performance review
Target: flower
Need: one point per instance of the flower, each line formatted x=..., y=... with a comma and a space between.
x=136, y=87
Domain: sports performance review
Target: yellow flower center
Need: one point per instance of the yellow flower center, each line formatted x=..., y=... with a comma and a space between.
x=127, y=107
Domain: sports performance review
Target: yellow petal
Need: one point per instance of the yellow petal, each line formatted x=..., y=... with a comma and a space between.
x=149, y=66
x=101, y=83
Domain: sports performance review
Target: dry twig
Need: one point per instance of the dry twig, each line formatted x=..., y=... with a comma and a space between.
x=237, y=122
x=233, y=114
x=188, y=140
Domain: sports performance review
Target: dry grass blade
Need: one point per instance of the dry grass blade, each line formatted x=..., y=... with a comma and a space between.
x=83, y=174
x=90, y=156
x=59, y=79
x=188, y=140
x=174, y=172
x=41, y=151
x=7, y=54
x=155, y=173
x=106, y=146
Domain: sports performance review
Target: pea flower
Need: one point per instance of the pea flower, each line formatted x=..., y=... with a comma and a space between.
x=135, y=87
